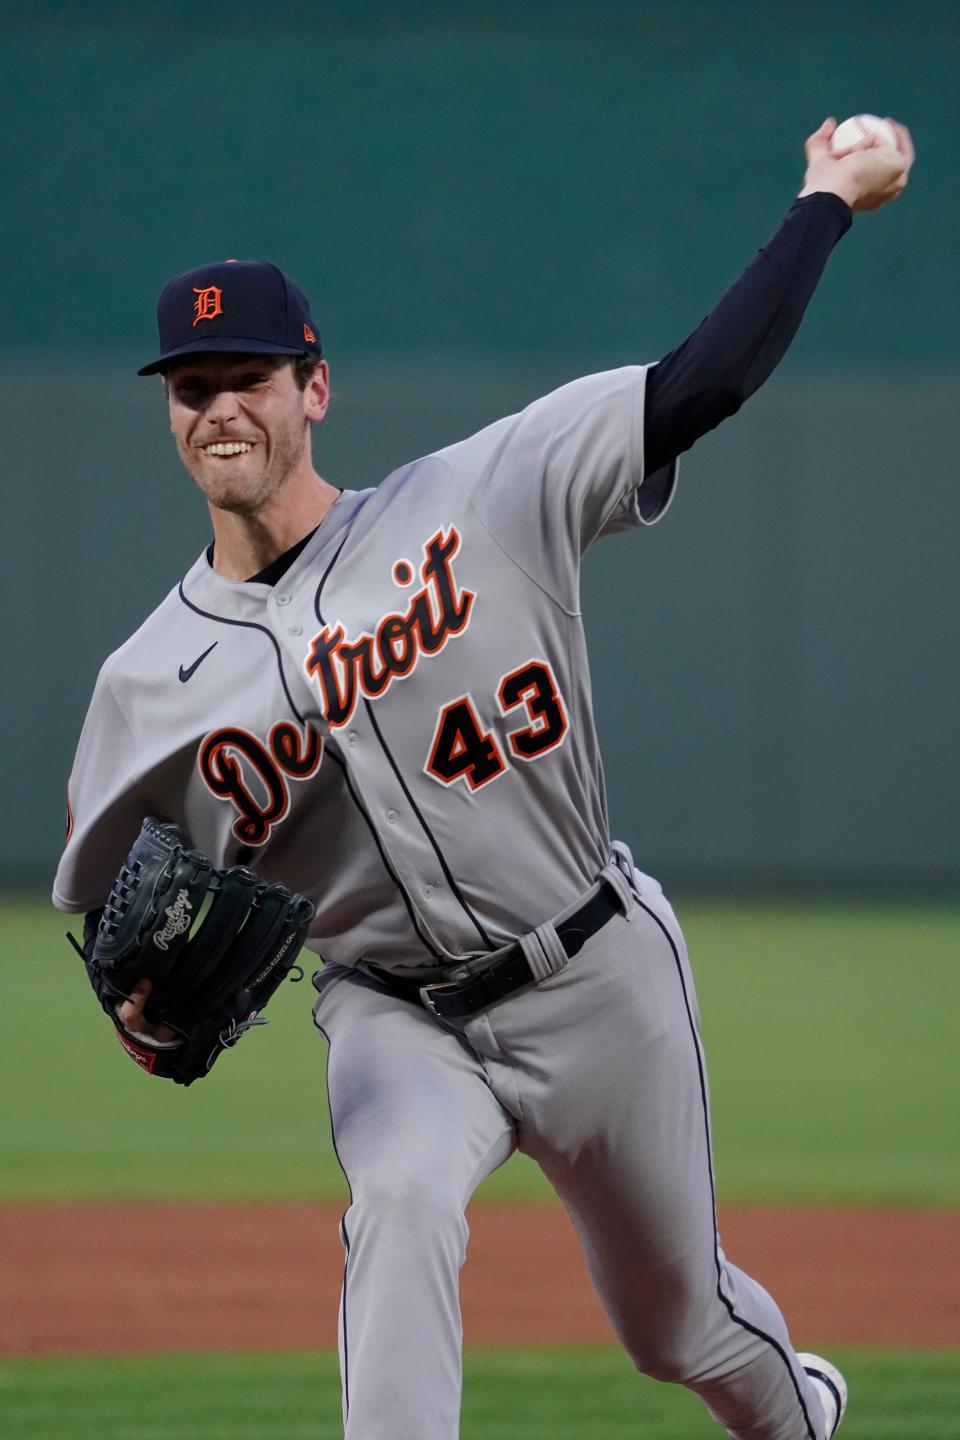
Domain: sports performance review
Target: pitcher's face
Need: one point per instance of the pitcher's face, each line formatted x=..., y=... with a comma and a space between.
x=241, y=423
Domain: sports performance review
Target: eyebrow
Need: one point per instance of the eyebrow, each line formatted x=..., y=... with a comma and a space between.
x=254, y=367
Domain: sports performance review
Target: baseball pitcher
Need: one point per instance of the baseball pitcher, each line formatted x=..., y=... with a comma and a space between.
x=363, y=718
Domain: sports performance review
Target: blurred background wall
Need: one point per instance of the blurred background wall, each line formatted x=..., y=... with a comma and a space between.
x=484, y=201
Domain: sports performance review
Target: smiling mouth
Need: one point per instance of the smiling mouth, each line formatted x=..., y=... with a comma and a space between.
x=225, y=448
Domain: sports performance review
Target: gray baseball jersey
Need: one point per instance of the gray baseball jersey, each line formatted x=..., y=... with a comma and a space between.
x=402, y=727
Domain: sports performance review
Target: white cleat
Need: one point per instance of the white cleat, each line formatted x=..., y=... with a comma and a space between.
x=830, y=1386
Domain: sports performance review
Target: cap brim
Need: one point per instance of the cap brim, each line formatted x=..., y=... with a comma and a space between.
x=223, y=344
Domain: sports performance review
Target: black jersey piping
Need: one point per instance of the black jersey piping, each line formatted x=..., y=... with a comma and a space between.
x=323, y=579
x=838, y=1402
x=454, y=889
x=727, y=1303
x=248, y=625
x=344, y=1235
x=437, y=954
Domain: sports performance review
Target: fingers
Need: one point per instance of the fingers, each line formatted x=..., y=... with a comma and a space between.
x=883, y=197
x=132, y=1016
x=873, y=141
x=904, y=141
x=131, y=1011
x=819, y=142
x=869, y=141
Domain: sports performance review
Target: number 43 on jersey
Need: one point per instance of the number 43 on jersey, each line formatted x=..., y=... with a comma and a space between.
x=463, y=749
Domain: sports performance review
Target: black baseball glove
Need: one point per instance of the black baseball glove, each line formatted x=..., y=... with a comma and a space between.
x=215, y=945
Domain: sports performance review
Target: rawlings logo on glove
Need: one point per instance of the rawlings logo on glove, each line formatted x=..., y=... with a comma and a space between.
x=179, y=918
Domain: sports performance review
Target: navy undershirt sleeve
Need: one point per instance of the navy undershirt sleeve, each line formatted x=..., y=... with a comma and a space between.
x=743, y=339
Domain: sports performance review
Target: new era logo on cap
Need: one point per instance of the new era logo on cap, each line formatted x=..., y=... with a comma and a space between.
x=242, y=306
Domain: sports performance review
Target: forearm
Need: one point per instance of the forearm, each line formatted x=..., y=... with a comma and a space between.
x=742, y=340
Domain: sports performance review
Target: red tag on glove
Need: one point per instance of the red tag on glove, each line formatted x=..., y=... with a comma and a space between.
x=146, y=1059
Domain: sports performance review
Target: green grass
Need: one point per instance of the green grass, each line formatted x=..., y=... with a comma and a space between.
x=560, y=1394
x=831, y=1040
x=828, y=1032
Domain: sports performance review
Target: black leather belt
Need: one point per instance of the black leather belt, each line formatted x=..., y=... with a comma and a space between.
x=456, y=999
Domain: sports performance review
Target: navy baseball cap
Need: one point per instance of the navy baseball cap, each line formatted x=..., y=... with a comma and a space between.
x=246, y=306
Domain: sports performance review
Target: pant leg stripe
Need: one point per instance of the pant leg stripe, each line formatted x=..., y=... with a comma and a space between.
x=345, y=1237
x=727, y=1303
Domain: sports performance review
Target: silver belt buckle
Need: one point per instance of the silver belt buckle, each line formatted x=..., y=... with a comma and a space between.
x=427, y=1000
x=455, y=977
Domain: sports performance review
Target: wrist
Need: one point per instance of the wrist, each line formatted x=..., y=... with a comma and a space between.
x=837, y=191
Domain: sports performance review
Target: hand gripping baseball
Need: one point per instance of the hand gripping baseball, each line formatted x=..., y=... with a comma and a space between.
x=212, y=944
x=866, y=175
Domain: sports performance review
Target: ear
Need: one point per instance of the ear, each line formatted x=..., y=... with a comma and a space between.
x=316, y=396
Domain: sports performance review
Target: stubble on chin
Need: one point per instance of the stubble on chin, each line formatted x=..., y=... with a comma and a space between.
x=244, y=495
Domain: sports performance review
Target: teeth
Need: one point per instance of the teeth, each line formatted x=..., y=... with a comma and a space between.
x=228, y=447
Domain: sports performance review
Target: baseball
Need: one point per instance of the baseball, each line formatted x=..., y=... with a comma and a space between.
x=858, y=127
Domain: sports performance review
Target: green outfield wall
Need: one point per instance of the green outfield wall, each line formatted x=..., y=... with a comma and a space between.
x=484, y=201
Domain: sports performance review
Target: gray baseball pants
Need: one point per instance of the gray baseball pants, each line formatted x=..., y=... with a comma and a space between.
x=598, y=1074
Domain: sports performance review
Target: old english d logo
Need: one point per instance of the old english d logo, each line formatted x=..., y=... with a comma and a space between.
x=207, y=304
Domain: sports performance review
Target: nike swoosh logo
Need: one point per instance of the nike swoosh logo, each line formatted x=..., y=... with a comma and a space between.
x=185, y=674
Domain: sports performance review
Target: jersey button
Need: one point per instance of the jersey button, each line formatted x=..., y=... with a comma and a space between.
x=296, y=629
x=283, y=599
x=351, y=737
x=391, y=816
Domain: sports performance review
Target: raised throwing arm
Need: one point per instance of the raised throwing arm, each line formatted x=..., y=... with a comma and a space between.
x=739, y=344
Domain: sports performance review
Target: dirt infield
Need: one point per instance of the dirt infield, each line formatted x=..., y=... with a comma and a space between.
x=141, y=1278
